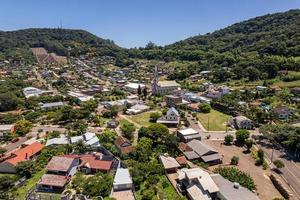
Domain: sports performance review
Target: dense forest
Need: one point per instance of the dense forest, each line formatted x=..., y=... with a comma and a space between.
x=256, y=48
x=16, y=44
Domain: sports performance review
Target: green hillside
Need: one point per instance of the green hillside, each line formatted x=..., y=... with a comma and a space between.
x=16, y=44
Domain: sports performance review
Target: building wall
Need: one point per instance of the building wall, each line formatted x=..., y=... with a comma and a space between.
x=7, y=168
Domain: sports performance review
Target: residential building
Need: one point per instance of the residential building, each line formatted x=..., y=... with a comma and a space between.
x=26, y=153
x=112, y=123
x=170, y=164
x=35, y=92
x=283, y=113
x=93, y=163
x=122, y=180
x=172, y=118
x=51, y=106
x=136, y=109
x=6, y=130
x=242, y=122
x=295, y=90
x=186, y=135
x=172, y=100
x=196, y=149
x=261, y=88
x=58, y=141
x=232, y=191
x=123, y=145
x=197, y=183
x=163, y=87
x=80, y=96
x=89, y=139
x=133, y=87
x=59, y=171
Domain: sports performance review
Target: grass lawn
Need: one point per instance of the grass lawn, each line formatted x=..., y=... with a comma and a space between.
x=164, y=190
x=217, y=120
x=30, y=183
x=141, y=119
x=290, y=84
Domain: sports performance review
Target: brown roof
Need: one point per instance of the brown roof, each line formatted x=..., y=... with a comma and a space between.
x=53, y=180
x=90, y=161
x=60, y=163
x=181, y=160
x=124, y=145
x=184, y=147
x=120, y=141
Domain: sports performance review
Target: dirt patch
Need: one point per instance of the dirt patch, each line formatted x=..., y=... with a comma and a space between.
x=265, y=188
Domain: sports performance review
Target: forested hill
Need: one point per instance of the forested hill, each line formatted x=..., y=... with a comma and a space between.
x=275, y=34
x=255, y=49
x=14, y=44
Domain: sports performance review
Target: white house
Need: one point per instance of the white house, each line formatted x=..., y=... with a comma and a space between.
x=133, y=87
x=88, y=138
x=122, y=180
x=6, y=129
x=172, y=118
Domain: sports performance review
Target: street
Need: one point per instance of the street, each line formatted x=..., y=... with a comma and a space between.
x=291, y=171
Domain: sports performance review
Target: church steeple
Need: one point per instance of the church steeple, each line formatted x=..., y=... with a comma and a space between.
x=155, y=81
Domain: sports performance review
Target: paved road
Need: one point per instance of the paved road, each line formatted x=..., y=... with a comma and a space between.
x=291, y=171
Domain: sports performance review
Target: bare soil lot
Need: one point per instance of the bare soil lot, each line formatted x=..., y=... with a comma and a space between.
x=265, y=188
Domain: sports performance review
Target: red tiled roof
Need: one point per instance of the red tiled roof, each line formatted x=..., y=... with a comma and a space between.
x=59, y=163
x=181, y=160
x=91, y=162
x=25, y=153
x=53, y=180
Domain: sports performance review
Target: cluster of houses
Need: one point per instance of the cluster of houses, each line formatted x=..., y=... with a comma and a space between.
x=198, y=184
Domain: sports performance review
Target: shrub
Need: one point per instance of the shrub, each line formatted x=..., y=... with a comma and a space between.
x=241, y=136
x=278, y=164
x=228, y=139
x=234, y=160
x=204, y=107
x=235, y=175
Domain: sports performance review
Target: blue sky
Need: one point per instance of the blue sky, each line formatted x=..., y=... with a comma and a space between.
x=133, y=23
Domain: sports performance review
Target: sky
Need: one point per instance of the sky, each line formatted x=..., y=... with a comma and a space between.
x=133, y=23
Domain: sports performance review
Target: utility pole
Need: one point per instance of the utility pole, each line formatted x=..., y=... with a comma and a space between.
x=208, y=124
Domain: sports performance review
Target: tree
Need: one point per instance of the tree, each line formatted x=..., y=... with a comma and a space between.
x=154, y=116
x=6, y=182
x=278, y=164
x=158, y=133
x=8, y=101
x=139, y=90
x=204, y=107
x=144, y=149
x=98, y=185
x=234, y=160
x=23, y=127
x=80, y=147
x=25, y=168
x=2, y=151
x=241, y=135
x=128, y=130
x=249, y=143
x=228, y=139
x=260, y=157
x=145, y=93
